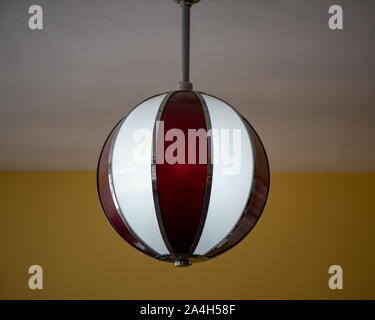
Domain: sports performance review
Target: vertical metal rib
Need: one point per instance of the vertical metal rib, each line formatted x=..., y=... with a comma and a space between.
x=153, y=174
x=209, y=173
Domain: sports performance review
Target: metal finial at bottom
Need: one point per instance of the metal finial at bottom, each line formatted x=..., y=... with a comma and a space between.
x=182, y=262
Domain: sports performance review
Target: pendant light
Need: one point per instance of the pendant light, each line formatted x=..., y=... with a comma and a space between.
x=183, y=177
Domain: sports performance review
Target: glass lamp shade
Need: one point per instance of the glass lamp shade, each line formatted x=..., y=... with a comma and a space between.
x=183, y=177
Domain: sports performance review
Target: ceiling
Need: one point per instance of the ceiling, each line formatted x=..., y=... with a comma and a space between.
x=308, y=91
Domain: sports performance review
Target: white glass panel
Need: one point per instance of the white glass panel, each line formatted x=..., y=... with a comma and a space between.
x=131, y=171
x=233, y=171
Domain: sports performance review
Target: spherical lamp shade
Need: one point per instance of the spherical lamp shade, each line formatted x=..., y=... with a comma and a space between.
x=183, y=177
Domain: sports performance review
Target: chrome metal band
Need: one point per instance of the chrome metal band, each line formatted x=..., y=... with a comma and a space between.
x=153, y=174
x=209, y=173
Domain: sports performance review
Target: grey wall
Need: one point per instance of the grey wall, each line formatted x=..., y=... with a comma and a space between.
x=308, y=91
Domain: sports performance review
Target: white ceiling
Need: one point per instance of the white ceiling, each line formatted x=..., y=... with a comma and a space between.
x=307, y=90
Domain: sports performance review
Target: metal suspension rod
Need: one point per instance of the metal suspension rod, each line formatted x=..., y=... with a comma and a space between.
x=185, y=83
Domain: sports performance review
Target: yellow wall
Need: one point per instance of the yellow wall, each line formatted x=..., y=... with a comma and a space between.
x=311, y=221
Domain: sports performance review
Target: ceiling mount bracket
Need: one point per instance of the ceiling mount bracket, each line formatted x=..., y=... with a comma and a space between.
x=189, y=2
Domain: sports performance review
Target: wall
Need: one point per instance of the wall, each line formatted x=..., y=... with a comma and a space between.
x=311, y=221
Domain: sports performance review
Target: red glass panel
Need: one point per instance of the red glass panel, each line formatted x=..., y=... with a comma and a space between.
x=181, y=186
